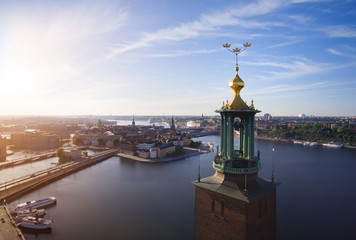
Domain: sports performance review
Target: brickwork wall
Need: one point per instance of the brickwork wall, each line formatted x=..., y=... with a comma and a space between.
x=220, y=217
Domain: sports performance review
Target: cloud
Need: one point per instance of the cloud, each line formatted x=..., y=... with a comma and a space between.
x=181, y=53
x=334, y=51
x=207, y=24
x=340, y=31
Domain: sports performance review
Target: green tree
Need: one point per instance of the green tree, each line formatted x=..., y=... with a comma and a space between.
x=60, y=153
x=101, y=141
x=317, y=126
x=116, y=142
x=77, y=140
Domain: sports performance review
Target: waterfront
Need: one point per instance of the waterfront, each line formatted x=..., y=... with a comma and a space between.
x=123, y=199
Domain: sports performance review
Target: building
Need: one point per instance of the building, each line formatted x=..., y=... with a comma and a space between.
x=172, y=132
x=72, y=153
x=133, y=121
x=2, y=149
x=235, y=203
x=146, y=145
x=165, y=149
x=35, y=139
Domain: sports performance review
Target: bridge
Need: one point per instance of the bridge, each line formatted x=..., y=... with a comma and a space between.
x=20, y=161
x=18, y=187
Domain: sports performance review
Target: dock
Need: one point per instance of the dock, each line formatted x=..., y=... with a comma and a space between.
x=14, y=189
x=8, y=228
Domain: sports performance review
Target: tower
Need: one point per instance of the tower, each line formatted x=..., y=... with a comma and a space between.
x=235, y=203
x=133, y=121
x=172, y=132
x=2, y=149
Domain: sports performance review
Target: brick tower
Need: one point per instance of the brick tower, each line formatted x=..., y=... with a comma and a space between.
x=235, y=203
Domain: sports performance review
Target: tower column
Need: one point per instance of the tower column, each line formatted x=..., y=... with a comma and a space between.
x=230, y=137
x=223, y=136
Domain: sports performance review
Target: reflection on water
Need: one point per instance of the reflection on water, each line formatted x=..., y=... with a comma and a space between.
x=12, y=173
x=123, y=199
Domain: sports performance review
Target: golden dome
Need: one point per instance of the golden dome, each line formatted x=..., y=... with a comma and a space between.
x=237, y=84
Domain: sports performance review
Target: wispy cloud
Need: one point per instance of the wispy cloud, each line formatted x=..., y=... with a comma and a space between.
x=334, y=51
x=289, y=69
x=340, y=31
x=181, y=53
x=208, y=24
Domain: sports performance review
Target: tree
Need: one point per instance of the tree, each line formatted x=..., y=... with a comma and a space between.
x=77, y=140
x=101, y=141
x=60, y=153
x=116, y=142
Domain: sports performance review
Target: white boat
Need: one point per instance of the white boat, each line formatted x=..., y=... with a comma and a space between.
x=298, y=142
x=333, y=145
x=314, y=144
x=35, y=223
x=30, y=212
x=306, y=144
x=36, y=204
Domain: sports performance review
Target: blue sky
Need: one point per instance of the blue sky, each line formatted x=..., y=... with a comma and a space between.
x=166, y=57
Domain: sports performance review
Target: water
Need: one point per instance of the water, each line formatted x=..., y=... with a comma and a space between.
x=140, y=123
x=123, y=199
x=22, y=170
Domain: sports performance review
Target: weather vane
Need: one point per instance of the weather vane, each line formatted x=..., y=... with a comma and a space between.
x=236, y=51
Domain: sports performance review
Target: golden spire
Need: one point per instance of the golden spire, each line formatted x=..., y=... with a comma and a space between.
x=236, y=83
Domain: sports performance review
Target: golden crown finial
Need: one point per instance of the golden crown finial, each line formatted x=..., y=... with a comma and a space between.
x=237, y=51
x=246, y=45
x=226, y=45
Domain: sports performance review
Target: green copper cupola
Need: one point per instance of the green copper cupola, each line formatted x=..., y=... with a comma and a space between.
x=237, y=117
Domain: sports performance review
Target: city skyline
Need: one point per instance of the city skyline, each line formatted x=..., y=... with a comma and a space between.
x=163, y=58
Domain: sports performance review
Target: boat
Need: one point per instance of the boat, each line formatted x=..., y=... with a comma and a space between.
x=314, y=144
x=306, y=144
x=298, y=142
x=36, y=204
x=30, y=212
x=333, y=145
x=35, y=223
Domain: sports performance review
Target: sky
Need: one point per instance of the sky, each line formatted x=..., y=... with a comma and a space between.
x=165, y=57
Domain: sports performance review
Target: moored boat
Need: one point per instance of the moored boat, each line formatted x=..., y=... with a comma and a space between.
x=314, y=144
x=29, y=212
x=35, y=223
x=333, y=145
x=36, y=204
x=298, y=142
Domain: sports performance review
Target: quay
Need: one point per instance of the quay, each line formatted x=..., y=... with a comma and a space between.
x=8, y=228
x=20, y=161
x=189, y=152
x=14, y=189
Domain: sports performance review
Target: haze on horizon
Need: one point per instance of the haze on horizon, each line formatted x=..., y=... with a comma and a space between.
x=166, y=57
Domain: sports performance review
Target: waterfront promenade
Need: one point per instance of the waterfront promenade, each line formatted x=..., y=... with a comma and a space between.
x=8, y=228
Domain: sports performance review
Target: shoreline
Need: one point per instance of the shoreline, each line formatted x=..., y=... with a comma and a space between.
x=291, y=141
x=189, y=152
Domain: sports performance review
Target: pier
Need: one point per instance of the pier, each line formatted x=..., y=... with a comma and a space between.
x=14, y=189
x=8, y=228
